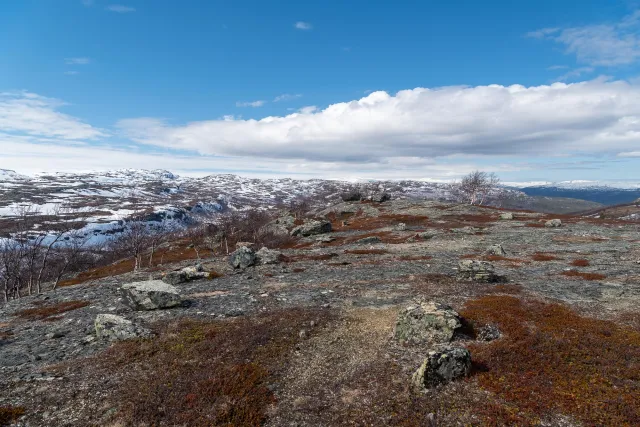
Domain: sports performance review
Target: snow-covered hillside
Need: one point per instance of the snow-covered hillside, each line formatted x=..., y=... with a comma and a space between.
x=605, y=192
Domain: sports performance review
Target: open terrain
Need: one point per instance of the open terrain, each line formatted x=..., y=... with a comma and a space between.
x=308, y=341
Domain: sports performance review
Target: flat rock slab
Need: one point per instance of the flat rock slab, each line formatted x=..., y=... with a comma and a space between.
x=150, y=295
x=111, y=327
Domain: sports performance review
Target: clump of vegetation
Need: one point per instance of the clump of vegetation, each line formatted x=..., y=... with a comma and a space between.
x=553, y=361
x=309, y=257
x=538, y=256
x=585, y=276
x=580, y=263
x=10, y=414
x=45, y=312
x=366, y=251
x=206, y=373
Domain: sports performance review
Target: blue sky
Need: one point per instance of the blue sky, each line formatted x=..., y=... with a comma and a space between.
x=533, y=90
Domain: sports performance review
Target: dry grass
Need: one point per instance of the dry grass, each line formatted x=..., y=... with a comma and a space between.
x=309, y=257
x=512, y=289
x=585, y=276
x=535, y=225
x=363, y=223
x=539, y=256
x=10, y=414
x=580, y=263
x=502, y=258
x=205, y=373
x=47, y=312
x=551, y=360
x=298, y=270
x=415, y=257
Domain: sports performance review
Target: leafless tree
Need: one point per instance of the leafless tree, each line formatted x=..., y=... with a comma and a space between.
x=475, y=187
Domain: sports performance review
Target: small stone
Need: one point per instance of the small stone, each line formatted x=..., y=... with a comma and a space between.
x=368, y=240
x=496, y=250
x=427, y=322
x=552, y=223
x=401, y=226
x=242, y=258
x=480, y=271
x=441, y=367
x=488, y=333
x=506, y=216
x=244, y=244
x=303, y=334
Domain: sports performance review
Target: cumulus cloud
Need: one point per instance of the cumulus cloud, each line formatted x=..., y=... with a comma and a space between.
x=305, y=26
x=287, y=97
x=118, y=8
x=560, y=119
x=31, y=114
x=609, y=44
x=250, y=104
x=77, y=61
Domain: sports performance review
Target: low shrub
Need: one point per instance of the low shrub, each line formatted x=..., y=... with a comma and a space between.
x=553, y=361
x=585, y=276
x=580, y=263
x=538, y=256
x=366, y=251
x=10, y=414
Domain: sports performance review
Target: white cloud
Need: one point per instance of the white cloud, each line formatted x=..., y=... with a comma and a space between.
x=608, y=44
x=574, y=74
x=560, y=119
x=118, y=8
x=31, y=114
x=77, y=61
x=557, y=67
x=250, y=103
x=287, y=97
x=305, y=26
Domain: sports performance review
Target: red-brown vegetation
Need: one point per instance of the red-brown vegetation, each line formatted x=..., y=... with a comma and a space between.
x=535, y=224
x=415, y=257
x=580, y=263
x=309, y=257
x=206, y=373
x=366, y=251
x=45, y=312
x=585, y=276
x=539, y=256
x=10, y=414
x=507, y=288
x=298, y=270
x=553, y=361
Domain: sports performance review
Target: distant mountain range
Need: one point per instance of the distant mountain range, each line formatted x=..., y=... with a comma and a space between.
x=604, y=192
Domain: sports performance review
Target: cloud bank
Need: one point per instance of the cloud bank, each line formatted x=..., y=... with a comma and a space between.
x=595, y=117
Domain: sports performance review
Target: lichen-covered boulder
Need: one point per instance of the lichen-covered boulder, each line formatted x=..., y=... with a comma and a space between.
x=479, y=271
x=552, y=223
x=506, y=216
x=441, y=367
x=150, y=295
x=242, y=258
x=268, y=256
x=311, y=228
x=488, y=333
x=186, y=274
x=427, y=322
x=496, y=250
x=380, y=197
x=110, y=327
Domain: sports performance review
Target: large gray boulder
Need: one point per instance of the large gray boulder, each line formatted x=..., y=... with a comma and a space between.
x=427, y=322
x=242, y=258
x=479, y=271
x=442, y=366
x=268, y=256
x=110, y=327
x=552, y=223
x=380, y=197
x=150, y=295
x=312, y=227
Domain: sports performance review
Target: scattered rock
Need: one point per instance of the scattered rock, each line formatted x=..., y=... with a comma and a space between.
x=427, y=322
x=244, y=244
x=441, y=367
x=479, y=271
x=426, y=235
x=401, y=226
x=496, y=250
x=380, y=197
x=488, y=333
x=368, y=240
x=312, y=227
x=466, y=230
x=506, y=216
x=325, y=239
x=268, y=256
x=150, y=295
x=114, y=328
x=185, y=275
x=242, y=258
x=553, y=223
x=351, y=196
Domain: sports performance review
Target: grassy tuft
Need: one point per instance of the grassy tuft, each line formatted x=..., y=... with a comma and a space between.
x=10, y=414
x=51, y=311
